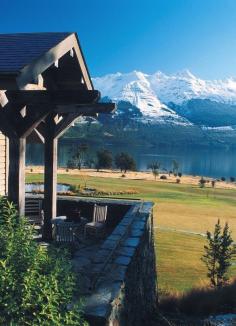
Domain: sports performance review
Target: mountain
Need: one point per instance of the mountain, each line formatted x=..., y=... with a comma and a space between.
x=136, y=89
x=168, y=109
x=160, y=89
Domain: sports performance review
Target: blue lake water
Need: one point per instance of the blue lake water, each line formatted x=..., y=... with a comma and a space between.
x=39, y=187
x=210, y=162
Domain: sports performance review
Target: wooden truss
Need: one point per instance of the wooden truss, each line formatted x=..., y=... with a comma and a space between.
x=48, y=113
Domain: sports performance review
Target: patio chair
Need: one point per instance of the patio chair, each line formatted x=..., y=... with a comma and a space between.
x=65, y=232
x=33, y=211
x=98, y=223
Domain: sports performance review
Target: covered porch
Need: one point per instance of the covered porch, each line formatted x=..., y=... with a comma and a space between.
x=45, y=86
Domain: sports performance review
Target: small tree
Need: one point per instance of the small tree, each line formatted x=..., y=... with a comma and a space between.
x=79, y=156
x=155, y=167
x=218, y=255
x=175, y=165
x=104, y=159
x=125, y=162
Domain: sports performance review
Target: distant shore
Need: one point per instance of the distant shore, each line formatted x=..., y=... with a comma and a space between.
x=137, y=175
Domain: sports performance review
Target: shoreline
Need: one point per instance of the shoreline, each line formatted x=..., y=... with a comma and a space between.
x=137, y=175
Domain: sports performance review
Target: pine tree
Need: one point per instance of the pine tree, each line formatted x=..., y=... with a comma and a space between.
x=218, y=255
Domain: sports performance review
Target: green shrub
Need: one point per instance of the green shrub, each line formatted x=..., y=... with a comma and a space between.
x=37, y=284
x=163, y=177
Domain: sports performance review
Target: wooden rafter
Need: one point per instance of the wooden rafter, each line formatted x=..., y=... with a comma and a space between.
x=64, y=124
x=55, y=97
x=87, y=109
x=32, y=119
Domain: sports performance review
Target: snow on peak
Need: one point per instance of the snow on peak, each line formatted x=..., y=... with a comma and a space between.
x=135, y=88
x=160, y=88
x=152, y=93
x=184, y=86
x=185, y=73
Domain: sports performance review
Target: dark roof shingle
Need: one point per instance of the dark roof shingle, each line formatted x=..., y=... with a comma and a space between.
x=18, y=50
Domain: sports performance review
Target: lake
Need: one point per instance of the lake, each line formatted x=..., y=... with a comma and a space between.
x=210, y=162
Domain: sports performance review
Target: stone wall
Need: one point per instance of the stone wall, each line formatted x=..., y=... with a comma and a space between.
x=125, y=290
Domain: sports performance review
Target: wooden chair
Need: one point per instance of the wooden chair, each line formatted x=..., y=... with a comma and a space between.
x=65, y=232
x=99, y=219
x=33, y=211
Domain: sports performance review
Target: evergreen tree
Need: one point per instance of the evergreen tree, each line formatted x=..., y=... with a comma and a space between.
x=218, y=255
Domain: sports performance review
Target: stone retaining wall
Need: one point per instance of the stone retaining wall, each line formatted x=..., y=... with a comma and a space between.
x=124, y=293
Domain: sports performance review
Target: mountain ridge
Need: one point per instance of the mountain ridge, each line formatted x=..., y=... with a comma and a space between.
x=176, y=88
x=178, y=109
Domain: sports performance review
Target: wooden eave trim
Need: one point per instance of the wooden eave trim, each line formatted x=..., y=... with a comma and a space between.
x=38, y=66
x=83, y=64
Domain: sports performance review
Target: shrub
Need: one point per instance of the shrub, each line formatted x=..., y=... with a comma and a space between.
x=177, y=180
x=202, y=182
x=223, y=179
x=75, y=188
x=232, y=179
x=180, y=174
x=36, y=283
x=163, y=177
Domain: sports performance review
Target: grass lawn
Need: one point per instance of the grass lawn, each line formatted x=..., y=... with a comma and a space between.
x=180, y=211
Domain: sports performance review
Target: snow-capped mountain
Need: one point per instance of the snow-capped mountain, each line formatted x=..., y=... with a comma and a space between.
x=184, y=86
x=136, y=89
x=154, y=95
x=165, y=110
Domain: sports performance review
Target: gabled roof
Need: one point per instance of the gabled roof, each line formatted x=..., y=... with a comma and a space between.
x=19, y=50
x=24, y=56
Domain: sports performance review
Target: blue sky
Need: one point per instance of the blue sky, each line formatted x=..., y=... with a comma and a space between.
x=146, y=35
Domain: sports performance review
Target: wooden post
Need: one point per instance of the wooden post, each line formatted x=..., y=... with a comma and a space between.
x=50, y=180
x=16, y=176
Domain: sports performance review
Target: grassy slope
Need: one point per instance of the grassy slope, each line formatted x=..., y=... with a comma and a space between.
x=178, y=208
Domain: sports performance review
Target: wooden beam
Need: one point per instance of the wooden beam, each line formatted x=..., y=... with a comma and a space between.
x=35, y=137
x=32, y=119
x=87, y=109
x=41, y=128
x=50, y=178
x=6, y=125
x=65, y=124
x=53, y=97
x=16, y=176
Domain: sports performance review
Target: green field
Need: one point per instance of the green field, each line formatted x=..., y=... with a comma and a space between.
x=182, y=213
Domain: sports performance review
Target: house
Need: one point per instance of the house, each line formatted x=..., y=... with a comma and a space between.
x=44, y=86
